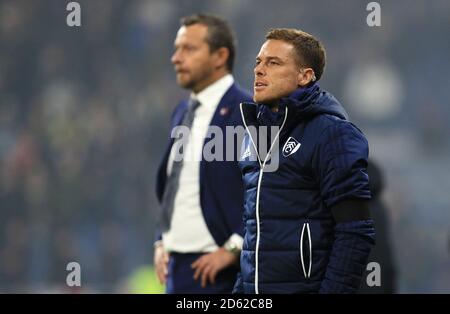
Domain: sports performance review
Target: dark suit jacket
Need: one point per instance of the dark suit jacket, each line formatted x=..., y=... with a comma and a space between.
x=221, y=187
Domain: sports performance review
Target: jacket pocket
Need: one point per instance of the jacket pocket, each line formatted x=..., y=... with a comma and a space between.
x=306, y=250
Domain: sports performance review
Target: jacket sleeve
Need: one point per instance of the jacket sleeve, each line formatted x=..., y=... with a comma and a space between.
x=341, y=166
x=348, y=259
x=238, y=286
x=227, y=180
x=235, y=204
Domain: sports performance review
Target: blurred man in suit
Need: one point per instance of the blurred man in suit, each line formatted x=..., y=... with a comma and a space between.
x=200, y=231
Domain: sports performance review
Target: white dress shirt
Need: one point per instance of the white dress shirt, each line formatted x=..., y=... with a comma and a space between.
x=188, y=232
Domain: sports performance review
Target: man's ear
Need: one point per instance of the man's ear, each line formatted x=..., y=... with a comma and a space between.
x=305, y=76
x=221, y=56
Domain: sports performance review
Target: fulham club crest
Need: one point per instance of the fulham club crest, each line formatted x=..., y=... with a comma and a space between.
x=290, y=147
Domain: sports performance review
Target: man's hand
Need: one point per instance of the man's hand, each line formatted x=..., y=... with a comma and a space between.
x=209, y=265
x=161, y=261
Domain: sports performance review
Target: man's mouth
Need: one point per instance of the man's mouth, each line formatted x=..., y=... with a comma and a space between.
x=259, y=86
x=181, y=71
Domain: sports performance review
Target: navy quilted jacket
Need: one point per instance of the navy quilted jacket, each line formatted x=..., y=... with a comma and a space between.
x=292, y=243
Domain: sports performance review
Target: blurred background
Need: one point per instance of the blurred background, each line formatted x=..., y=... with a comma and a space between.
x=84, y=117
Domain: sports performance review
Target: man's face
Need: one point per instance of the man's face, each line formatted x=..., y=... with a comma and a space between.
x=192, y=58
x=276, y=71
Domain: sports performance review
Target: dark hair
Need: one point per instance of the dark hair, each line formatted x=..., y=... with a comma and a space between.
x=310, y=51
x=219, y=35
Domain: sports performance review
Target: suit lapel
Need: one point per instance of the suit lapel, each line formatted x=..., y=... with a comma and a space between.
x=224, y=108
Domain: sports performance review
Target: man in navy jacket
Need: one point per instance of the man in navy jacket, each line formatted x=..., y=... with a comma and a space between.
x=197, y=249
x=307, y=222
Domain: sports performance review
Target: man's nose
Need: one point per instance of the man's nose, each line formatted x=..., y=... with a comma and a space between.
x=259, y=70
x=175, y=58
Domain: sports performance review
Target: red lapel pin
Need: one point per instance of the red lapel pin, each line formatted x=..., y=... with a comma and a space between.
x=224, y=111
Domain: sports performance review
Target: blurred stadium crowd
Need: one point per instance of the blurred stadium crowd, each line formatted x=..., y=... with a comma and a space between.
x=84, y=115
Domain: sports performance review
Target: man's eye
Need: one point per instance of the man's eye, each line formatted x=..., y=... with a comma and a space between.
x=184, y=49
x=273, y=63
